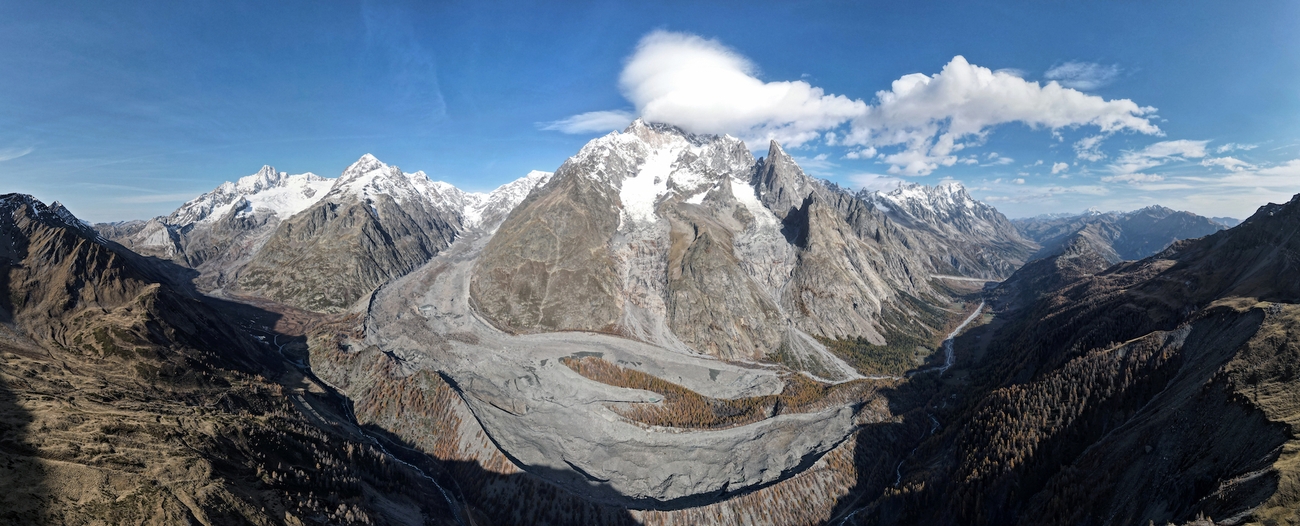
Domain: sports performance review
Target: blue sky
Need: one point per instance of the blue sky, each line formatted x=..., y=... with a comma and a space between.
x=124, y=111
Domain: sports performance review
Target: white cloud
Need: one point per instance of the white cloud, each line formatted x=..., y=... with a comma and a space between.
x=1156, y=154
x=1038, y=163
x=1232, y=146
x=870, y=181
x=1018, y=180
x=1083, y=75
x=931, y=115
x=819, y=164
x=703, y=86
x=11, y=153
x=1089, y=148
x=1060, y=167
x=993, y=159
x=592, y=121
x=1030, y=194
x=1132, y=178
x=916, y=162
x=864, y=153
x=1288, y=169
x=1285, y=176
x=1231, y=163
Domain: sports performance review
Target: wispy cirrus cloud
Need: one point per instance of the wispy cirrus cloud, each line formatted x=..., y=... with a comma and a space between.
x=14, y=152
x=412, y=68
x=156, y=198
x=1129, y=166
x=1232, y=164
x=1232, y=146
x=1083, y=75
x=592, y=121
x=819, y=164
x=1089, y=148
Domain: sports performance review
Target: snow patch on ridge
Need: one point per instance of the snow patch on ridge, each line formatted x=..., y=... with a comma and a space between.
x=642, y=191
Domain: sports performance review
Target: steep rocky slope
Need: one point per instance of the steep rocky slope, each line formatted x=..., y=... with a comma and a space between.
x=1117, y=236
x=124, y=400
x=375, y=223
x=313, y=242
x=217, y=232
x=1158, y=390
x=687, y=242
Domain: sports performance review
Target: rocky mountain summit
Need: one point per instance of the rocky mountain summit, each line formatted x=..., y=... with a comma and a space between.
x=1117, y=236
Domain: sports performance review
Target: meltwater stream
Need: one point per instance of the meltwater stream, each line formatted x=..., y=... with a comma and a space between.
x=948, y=360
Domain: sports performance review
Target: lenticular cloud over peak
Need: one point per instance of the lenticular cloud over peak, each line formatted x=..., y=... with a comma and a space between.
x=703, y=86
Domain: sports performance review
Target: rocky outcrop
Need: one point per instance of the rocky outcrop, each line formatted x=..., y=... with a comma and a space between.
x=781, y=184
x=835, y=289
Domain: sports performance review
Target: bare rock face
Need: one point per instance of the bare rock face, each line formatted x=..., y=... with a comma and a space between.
x=149, y=238
x=548, y=266
x=637, y=235
x=376, y=223
x=781, y=184
x=834, y=291
x=713, y=305
x=334, y=253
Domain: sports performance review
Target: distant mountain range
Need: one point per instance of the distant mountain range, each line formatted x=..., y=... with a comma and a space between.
x=316, y=243
x=1117, y=236
x=665, y=330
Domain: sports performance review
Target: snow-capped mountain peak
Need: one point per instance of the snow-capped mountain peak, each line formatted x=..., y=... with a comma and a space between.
x=282, y=194
x=942, y=207
x=646, y=162
x=916, y=199
x=267, y=190
x=370, y=177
